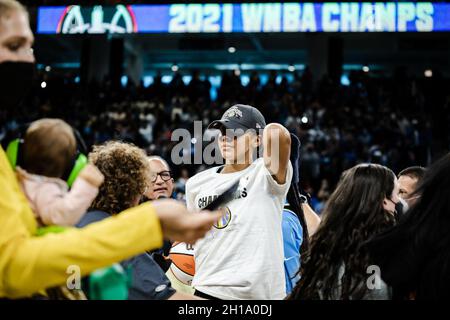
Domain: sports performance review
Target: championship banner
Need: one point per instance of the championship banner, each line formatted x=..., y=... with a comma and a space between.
x=246, y=17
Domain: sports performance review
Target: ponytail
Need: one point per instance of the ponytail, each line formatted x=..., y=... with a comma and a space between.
x=295, y=202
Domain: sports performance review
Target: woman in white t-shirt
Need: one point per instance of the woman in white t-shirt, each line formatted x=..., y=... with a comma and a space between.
x=242, y=256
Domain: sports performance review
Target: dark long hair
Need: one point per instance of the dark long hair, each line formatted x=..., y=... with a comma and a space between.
x=293, y=198
x=294, y=192
x=353, y=215
x=415, y=255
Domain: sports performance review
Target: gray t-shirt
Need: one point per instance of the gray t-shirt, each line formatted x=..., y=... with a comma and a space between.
x=149, y=281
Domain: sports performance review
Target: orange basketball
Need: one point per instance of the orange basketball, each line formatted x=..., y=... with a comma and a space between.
x=183, y=263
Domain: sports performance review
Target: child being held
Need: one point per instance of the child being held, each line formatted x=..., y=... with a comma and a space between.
x=49, y=151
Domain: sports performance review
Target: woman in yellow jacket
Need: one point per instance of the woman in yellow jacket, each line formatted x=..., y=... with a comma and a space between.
x=30, y=264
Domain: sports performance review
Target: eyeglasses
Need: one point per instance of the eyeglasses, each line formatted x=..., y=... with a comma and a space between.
x=165, y=176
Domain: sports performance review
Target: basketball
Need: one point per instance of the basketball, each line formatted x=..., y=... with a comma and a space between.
x=183, y=263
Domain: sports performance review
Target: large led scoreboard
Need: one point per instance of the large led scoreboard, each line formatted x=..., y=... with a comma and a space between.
x=247, y=17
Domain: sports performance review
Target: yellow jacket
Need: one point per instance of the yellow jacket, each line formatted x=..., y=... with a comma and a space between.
x=29, y=264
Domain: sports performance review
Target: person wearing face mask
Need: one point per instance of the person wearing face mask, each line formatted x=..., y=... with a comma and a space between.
x=408, y=180
x=414, y=256
x=17, y=67
x=31, y=264
x=336, y=265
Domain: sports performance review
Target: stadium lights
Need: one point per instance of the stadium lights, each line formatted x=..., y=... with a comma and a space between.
x=304, y=120
x=231, y=49
x=428, y=73
x=43, y=84
x=291, y=68
x=365, y=68
x=175, y=67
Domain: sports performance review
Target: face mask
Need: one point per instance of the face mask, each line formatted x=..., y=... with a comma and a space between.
x=16, y=81
x=405, y=205
x=401, y=207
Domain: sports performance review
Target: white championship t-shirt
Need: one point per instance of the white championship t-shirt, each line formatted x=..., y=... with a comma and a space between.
x=242, y=256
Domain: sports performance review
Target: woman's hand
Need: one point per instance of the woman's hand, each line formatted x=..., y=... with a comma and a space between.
x=178, y=224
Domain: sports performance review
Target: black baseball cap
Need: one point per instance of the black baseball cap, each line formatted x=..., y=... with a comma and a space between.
x=240, y=117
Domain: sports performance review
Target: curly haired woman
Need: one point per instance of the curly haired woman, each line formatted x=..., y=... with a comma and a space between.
x=126, y=170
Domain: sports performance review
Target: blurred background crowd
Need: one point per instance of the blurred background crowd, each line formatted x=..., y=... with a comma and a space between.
x=397, y=121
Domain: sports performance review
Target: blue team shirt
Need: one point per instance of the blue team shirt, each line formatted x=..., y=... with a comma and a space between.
x=292, y=240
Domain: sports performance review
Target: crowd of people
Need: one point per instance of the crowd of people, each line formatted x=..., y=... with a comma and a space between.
x=396, y=121
x=347, y=152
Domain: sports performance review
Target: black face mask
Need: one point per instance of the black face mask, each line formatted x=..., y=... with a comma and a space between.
x=145, y=199
x=16, y=81
x=399, y=210
x=401, y=207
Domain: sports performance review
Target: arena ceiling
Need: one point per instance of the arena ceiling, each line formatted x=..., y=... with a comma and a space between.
x=385, y=50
